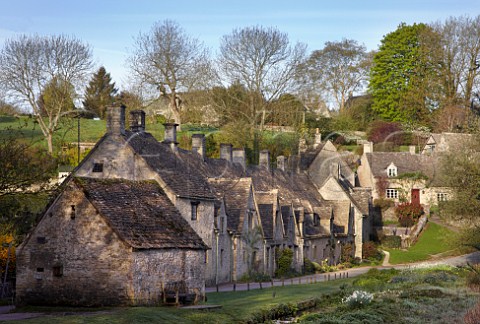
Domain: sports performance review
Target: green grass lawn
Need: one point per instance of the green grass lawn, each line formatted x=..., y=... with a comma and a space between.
x=435, y=239
x=236, y=307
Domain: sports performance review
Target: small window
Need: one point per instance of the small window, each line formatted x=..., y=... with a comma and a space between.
x=41, y=240
x=58, y=271
x=392, y=172
x=195, y=209
x=392, y=193
x=97, y=167
x=72, y=212
x=40, y=269
x=441, y=196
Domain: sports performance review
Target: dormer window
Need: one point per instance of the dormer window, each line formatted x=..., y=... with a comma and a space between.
x=392, y=171
x=316, y=220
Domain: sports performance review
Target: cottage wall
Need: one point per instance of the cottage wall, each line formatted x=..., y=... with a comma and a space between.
x=204, y=226
x=92, y=264
x=157, y=269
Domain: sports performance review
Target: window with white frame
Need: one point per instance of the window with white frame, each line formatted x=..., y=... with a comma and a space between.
x=442, y=196
x=392, y=170
x=392, y=193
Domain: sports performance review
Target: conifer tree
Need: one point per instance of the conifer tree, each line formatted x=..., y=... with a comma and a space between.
x=100, y=93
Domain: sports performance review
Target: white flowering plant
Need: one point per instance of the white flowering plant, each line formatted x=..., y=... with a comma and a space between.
x=358, y=298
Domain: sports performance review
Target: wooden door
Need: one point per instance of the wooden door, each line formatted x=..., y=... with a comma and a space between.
x=415, y=196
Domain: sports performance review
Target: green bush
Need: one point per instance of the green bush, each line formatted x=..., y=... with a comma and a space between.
x=284, y=262
x=308, y=266
x=392, y=242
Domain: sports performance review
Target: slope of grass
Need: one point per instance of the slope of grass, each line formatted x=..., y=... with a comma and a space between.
x=435, y=239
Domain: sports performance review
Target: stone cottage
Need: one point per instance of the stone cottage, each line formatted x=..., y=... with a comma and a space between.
x=110, y=242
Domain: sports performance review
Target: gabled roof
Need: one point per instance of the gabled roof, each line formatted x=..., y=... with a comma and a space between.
x=405, y=163
x=236, y=193
x=180, y=176
x=140, y=213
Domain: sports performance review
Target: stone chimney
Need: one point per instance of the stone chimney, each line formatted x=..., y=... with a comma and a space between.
x=226, y=152
x=198, y=144
x=318, y=138
x=238, y=156
x=412, y=149
x=368, y=147
x=170, y=135
x=281, y=161
x=116, y=120
x=264, y=159
x=137, y=121
x=302, y=145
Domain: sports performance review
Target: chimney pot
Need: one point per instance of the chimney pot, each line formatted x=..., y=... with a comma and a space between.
x=318, y=138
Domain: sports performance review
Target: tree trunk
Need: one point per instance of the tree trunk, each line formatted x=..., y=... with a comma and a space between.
x=174, y=107
x=50, y=143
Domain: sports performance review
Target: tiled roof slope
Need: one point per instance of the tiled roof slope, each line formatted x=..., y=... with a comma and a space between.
x=405, y=163
x=236, y=193
x=140, y=213
x=181, y=177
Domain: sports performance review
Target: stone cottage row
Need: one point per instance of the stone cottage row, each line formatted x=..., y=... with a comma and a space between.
x=140, y=218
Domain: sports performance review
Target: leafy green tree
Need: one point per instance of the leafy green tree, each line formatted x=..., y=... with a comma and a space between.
x=100, y=93
x=400, y=74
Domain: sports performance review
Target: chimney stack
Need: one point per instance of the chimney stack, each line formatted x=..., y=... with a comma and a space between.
x=281, y=162
x=318, y=138
x=238, y=156
x=137, y=121
x=264, y=159
x=198, y=144
x=226, y=152
x=412, y=149
x=116, y=120
x=368, y=147
x=171, y=135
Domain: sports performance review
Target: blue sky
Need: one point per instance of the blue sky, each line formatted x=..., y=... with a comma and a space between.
x=110, y=26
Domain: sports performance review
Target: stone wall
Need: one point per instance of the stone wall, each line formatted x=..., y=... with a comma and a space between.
x=78, y=261
x=157, y=269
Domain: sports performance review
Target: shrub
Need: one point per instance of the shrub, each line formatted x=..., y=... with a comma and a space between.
x=383, y=203
x=308, y=266
x=347, y=253
x=473, y=278
x=4, y=255
x=392, y=242
x=285, y=258
x=359, y=298
x=408, y=213
x=382, y=131
x=370, y=251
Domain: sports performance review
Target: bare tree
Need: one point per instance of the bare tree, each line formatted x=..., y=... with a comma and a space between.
x=171, y=61
x=338, y=70
x=459, y=68
x=29, y=63
x=263, y=61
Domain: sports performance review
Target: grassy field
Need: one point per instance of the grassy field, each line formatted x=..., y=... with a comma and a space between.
x=436, y=295
x=435, y=239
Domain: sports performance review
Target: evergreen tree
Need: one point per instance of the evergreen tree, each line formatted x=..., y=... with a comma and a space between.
x=100, y=92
